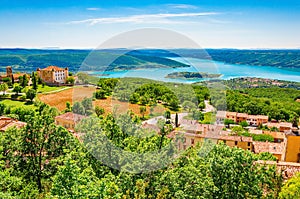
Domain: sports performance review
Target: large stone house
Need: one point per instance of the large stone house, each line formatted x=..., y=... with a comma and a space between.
x=53, y=75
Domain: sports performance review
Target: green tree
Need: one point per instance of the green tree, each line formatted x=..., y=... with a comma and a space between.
x=7, y=80
x=42, y=142
x=168, y=115
x=143, y=111
x=99, y=111
x=78, y=108
x=30, y=94
x=17, y=89
x=3, y=88
x=70, y=80
x=188, y=106
x=244, y=124
x=227, y=122
x=291, y=188
x=72, y=182
x=87, y=103
x=34, y=81
x=197, y=115
x=176, y=120
x=23, y=80
x=68, y=107
x=100, y=94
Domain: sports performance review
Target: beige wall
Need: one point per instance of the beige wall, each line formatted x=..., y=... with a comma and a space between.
x=292, y=149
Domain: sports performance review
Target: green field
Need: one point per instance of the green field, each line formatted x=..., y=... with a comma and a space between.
x=46, y=88
x=14, y=103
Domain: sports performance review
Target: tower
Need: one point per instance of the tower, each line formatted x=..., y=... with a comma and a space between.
x=9, y=72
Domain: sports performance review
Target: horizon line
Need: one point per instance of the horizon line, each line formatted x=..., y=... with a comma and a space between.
x=208, y=48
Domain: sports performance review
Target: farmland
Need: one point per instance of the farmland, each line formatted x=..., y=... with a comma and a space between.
x=59, y=99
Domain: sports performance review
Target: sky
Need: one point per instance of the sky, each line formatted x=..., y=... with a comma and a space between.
x=80, y=24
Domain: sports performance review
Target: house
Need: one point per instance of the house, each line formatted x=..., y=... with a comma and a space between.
x=53, y=75
x=276, y=149
x=253, y=120
x=11, y=75
x=257, y=120
x=293, y=149
x=281, y=126
x=69, y=120
x=7, y=122
x=237, y=141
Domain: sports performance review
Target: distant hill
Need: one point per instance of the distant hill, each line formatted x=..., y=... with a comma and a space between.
x=27, y=60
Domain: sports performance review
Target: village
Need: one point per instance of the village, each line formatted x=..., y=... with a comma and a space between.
x=255, y=133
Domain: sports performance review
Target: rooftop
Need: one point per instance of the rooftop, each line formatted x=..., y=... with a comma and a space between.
x=70, y=116
x=55, y=68
x=273, y=148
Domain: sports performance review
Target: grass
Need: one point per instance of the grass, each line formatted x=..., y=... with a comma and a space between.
x=14, y=103
x=46, y=88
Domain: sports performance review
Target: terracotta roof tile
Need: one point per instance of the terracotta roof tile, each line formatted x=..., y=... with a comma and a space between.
x=55, y=68
x=71, y=117
x=273, y=148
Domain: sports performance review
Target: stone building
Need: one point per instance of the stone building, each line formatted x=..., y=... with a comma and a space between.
x=53, y=75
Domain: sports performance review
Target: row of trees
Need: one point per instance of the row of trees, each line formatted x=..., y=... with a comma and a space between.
x=278, y=105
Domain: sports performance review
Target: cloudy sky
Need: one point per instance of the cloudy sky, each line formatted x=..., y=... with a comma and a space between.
x=210, y=23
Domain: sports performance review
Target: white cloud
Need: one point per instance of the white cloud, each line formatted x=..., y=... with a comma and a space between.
x=150, y=18
x=182, y=6
x=93, y=9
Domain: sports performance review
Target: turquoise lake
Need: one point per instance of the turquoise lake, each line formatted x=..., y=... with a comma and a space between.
x=228, y=71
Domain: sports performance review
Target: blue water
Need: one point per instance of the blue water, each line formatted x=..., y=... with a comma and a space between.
x=228, y=71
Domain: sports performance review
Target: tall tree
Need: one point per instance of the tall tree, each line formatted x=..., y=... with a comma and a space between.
x=41, y=142
x=176, y=120
x=143, y=111
x=31, y=94
x=34, y=81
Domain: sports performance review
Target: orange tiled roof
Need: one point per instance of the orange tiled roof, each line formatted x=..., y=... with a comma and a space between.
x=242, y=115
x=262, y=117
x=231, y=113
x=274, y=148
x=6, y=122
x=71, y=117
x=55, y=68
x=278, y=135
x=16, y=124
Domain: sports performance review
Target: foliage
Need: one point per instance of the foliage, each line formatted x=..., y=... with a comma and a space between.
x=30, y=94
x=291, y=188
x=70, y=80
x=227, y=122
x=3, y=88
x=243, y=124
x=17, y=89
x=99, y=111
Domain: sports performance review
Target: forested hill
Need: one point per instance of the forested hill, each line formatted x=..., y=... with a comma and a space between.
x=30, y=59
x=117, y=59
x=277, y=58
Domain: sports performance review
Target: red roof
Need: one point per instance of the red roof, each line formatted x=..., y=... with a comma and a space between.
x=71, y=117
x=55, y=68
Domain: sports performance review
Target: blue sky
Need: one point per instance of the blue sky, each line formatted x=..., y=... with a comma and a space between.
x=210, y=23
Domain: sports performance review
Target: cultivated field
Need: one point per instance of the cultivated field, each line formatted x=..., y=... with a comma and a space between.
x=72, y=95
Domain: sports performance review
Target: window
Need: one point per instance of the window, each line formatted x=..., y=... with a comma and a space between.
x=192, y=141
x=249, y=144
x=235, y=142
